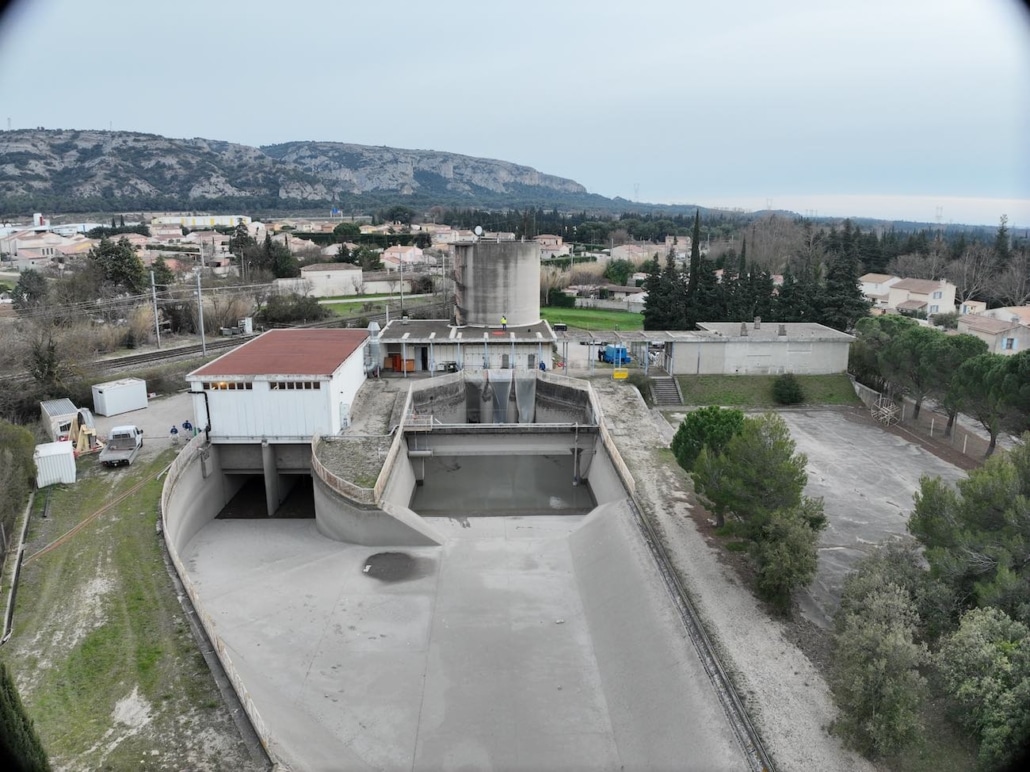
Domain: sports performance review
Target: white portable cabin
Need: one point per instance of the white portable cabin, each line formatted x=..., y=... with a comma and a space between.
x=55, y=463
x=117, y=397
x=57, y=416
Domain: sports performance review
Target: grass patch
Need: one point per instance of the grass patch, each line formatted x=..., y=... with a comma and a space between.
x=593, y=318
x=97, y=620
x=756, y=391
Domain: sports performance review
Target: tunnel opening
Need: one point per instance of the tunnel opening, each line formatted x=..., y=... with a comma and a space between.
x=500, y=485
x=249, y=503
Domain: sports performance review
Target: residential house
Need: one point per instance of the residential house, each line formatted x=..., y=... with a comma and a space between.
x=876, y=288
x=323, y=280
x=636, y=253
x=1002, y=336
x=921, y=295
x=396, y=257
x=1010, y=313
x=971, y=307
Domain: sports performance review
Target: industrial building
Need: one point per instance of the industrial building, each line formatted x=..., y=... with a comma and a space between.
x=266, y=399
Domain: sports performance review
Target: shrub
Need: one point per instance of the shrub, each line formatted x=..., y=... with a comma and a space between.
x=787, y=390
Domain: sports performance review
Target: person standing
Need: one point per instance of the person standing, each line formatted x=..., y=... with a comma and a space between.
x=504, y=323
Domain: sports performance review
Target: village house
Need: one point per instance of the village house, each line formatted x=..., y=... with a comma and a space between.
x=876, y=288
x=921, y=296
x=1002, y=336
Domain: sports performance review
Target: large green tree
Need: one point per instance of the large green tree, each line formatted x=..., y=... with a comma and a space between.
x=908, y=363
x=31, y=291
x=874, y=671
x=947, y=355
x=986, y=393
x=712, y=427
x=976, y=536
x=985, y=665
x=121, y=267
x=843, y=301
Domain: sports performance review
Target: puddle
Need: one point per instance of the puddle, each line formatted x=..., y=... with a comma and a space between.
x=396, y=567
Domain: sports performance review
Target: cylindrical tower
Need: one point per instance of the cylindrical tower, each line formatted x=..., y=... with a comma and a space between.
x=495, y=279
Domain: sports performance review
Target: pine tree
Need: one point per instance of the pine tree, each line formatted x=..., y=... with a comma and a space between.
x=692, y=313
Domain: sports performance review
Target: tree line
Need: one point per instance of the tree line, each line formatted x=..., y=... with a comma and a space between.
x=897, y=356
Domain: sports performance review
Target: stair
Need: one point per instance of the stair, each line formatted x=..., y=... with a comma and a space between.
x=664, y=391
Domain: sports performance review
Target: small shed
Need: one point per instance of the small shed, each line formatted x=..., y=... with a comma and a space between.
x=121, y=396
x=57, y=416
x=55, y=463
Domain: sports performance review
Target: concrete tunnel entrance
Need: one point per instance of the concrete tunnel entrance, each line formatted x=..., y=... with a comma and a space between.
x=251, y=501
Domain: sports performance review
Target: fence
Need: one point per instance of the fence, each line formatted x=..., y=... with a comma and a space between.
x=931, y=423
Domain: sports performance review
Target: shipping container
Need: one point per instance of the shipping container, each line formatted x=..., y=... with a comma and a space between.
x=55, y=463
x=117, y=397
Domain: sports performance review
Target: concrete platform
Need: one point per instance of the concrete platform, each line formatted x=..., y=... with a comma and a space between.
x=522, y=643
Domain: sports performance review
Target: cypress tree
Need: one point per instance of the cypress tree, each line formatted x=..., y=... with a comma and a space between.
x=20, y=747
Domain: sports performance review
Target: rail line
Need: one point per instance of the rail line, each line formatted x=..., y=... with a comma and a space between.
x=748, y=737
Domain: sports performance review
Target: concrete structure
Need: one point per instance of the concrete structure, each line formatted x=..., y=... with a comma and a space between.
x=494, y=279
x=718, y=348
x=331, y=279
x=1002, y=336
x=427, y=346
x=531, y=641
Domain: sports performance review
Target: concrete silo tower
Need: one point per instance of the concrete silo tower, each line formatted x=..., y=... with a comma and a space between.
x=494, y=279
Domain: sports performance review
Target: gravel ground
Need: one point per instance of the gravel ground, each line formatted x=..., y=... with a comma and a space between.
x=357, y=455
x=785, y=694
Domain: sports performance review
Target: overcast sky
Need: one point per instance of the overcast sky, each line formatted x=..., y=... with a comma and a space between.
x=901, y=109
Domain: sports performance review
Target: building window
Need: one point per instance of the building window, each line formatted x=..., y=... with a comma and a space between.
x=938, y=295
x=294, y=385
x=229, y=386
x=1009, y=344
x=934, y=309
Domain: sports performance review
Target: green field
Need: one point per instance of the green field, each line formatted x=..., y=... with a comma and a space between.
x=755, y=391
x=101, y=652
x=593, y=318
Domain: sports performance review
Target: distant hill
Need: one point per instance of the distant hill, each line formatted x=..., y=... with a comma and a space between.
x=66, y=170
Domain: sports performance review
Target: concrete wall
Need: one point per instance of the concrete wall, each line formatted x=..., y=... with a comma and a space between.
x=598, y=470
x=507, y=442
x=494, y=279
x=196, y=493
x=389, y=525
x=245, y=458
x=747, y=356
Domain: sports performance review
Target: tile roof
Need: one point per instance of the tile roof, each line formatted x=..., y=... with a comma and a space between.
x=986, y=324
x=288, y=352
x=876, y=278
x=911, y=305
x=922, y=286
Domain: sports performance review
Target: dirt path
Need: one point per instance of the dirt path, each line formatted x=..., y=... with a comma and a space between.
x=786, y=696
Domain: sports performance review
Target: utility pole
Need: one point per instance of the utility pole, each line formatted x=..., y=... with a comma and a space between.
x=157, y=322
x=200, y=309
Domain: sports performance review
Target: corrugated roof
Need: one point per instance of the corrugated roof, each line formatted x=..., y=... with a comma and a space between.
x=288, y=352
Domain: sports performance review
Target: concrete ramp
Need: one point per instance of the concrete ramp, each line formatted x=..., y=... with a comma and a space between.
x=386, y=525
x=661, y=704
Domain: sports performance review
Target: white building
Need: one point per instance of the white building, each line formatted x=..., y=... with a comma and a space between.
x=326, y=280
x=202, y=221
x=876, y=288
x=283, y=386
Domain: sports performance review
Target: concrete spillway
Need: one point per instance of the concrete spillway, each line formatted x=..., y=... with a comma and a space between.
x=543, y=639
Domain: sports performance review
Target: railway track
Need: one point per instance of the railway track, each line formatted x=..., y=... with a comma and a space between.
x=748, y=737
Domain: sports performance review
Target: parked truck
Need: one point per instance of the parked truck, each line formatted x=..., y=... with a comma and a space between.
x=616, y=355
x=123, y=445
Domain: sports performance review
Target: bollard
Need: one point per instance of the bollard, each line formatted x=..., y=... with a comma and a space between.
x=964, y=441
x=932, y=422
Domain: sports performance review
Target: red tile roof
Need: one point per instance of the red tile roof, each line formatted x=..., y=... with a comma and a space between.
x=288, y=352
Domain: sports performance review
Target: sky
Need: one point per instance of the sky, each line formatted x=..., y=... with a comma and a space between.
x=895, y=109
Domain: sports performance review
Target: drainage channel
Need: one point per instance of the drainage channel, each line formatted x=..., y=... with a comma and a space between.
x=745, y=731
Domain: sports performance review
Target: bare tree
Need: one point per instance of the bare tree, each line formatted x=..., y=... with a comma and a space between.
x=972, y=272
x=918, y=266
x=1012, y=285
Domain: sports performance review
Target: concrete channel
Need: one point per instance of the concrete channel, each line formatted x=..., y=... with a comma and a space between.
x=495, y=601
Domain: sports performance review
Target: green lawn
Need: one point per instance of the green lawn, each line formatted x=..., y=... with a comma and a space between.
x=593, y=318
x=755, y=391
x=103, y=656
